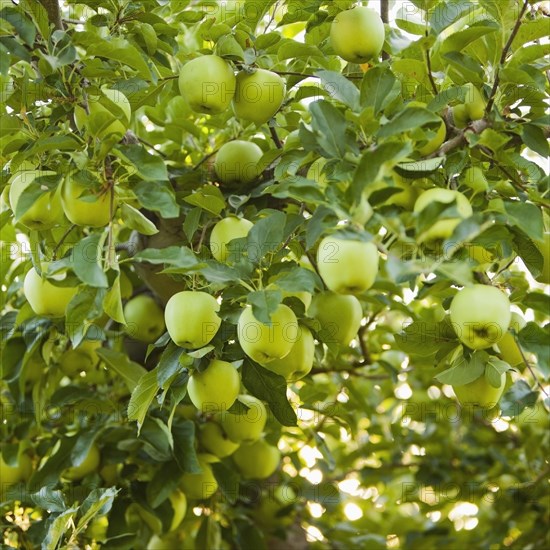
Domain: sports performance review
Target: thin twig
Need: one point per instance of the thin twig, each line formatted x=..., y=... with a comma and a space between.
x=275, y=137
x=61, y=241
x=503, y=56
x=430, y=75
x=533, y=374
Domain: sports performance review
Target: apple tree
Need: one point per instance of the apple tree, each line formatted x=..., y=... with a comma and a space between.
x=273, y=274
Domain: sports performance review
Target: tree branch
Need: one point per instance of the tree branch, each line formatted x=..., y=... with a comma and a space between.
x=54, y=12
x=476, y=126
x=503, y=56
x=385, y=15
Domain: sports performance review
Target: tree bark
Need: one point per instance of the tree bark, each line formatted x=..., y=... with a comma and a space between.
x=54, y=12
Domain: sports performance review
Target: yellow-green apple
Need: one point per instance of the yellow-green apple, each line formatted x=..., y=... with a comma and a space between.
x=213, y=439
x=136, y=515
x=480, y=393
x=474, y=102
x=544, y=248
x=443, y=229
x=258, y=95
x=216, y=388
x=201, y=485
x=46, y=211
x=237, y=162
x=338, y=317
x=299, y=361
x=460, y=116
x=264, y=343
x=108, y=117
x=508, y=346
x=192, y=318
x=46, y=298
x=247, y=426
x=83, y=208
x=144, y=319
x=83, y=358
x=357, y=35
x=347, y=266
x=179, y=507
x=89, y=464
x=480, y=315
x=224, y=232
x=434, y=143
x=257, y=460
x=362, y=212
x=405, y=198
x=474, y=178
x=15, y=474
x=207, y=83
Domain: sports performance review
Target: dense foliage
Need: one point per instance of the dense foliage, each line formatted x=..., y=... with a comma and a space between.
x=391, y=203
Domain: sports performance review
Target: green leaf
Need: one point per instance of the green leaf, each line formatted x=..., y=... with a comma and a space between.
x=22, y=25
x=83, y=309
x=494, y=370
x=130, y=372
x=269, y=387
x=534, y=138
x=149, y=167
x=209, y=535
x=228, y=480
x=142, y=397
x=264, y=303
x=517, y=398
x=265, y=236
x=385, y=156
x=409, y=119
x=420, y=167
x=87, y=257
x=134, y=219
x=57, y=529
x=297, y=279
x=38, y=15
x=463, y=370
x=119, y=49
x=425, y=338
x=98, y=503
x=534, y=339
x=379, y=88
x=340, y=88
x=526, y=217
x=207, y=197
x=170, y=363
x=112, y=303
x=330, y=128
x=184, y=447
x=157, y=196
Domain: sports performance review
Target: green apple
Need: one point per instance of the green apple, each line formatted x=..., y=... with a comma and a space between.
x=81, y=211
x=216, y=388
x=357, y=35
x=89, y=464
x=144, y=319
x=536, y=416
x=258, y=95
x=544, y=248
x=46, y=211
x=264, y=343
x=110, y=473
x=207, y=83
x=299, y=361
x=15, y=474
x=179, y=506
x=474, y=178
x=480, y=315
x=136, y=515
x=460, y=116
x=202, y=485
x=44, y=297
x=213, y=439
x=237, y=162
x=407, y=197
x=362, y=212
x=257, y=460
x=435, y=143
x=338, y=317
x=508, y=346
x=247, y=426
x=192, y=318
x=347, y=266
x=480, y=393
x=474, y=103
x=83, y=358
x=224, y=232
x=443, y=229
